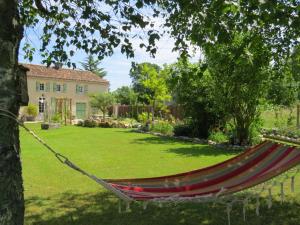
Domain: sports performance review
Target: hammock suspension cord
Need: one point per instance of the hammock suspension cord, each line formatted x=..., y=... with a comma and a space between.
x=64, y=160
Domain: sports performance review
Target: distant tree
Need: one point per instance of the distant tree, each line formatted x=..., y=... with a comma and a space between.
x=137, y=77
x=125, y=95
x=102, y=102
x=91, y=64
x=155, y=82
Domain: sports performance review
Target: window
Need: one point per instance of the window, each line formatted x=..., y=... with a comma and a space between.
x=58, y=88
x=42, y=105
x=42, y=87
x=79, y=89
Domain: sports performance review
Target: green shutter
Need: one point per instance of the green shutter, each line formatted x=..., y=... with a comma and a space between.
x=65, y=88
x=86, y=89
x=54, y=87
x=77, y=88
x=47, y=87
x=37, y=86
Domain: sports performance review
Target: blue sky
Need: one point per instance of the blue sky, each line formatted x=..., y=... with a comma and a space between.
x=118, y=65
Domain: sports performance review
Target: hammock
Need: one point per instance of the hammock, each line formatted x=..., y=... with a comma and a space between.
x=255, y=166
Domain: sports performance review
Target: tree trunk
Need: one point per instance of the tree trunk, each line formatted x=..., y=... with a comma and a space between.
x=11, y=184
x=153, y=111
x=242, y=134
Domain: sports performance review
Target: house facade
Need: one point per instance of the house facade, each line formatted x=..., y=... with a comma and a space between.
x=54, y=90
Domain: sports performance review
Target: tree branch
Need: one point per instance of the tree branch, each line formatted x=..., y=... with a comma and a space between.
x=41, y=7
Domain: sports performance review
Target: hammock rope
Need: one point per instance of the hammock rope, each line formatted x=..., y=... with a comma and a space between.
x=64, y=160
x=132, y=190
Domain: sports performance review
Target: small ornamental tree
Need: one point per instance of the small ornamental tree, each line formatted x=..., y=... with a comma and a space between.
x=102, y=101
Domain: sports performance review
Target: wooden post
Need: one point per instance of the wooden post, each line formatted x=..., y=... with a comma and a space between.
x=70, y=111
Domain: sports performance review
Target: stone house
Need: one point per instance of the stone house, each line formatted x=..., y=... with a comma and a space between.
x=54, y=89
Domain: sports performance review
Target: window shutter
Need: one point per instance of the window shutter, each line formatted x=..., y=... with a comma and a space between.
x=47, y=87
x=37, y=86
x=86, y=89
x=54, y=87
x=65, y=88
x=77, y=88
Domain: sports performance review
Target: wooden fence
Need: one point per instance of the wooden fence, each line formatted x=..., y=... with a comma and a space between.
x=132, y=111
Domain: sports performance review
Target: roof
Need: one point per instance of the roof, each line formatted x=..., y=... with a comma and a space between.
x=62, y=73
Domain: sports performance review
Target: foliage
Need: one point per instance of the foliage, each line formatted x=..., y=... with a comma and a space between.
x=206, y=23
x=56, y=118
x=125, y=96
x=218, y=137
x=144, y=117
x=137, y=76
x=70, y=25
x=191, y=87
x=240, y=75
x=105, y=124
x=89, y=123
x=185, y=130
x=156, y=83
x=102, y=101
x=163, y=127
x=31, y=110
x=92, y=65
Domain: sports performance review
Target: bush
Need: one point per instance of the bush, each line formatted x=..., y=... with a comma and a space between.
x=144, y=118
x=32, y=110
x=162, y=127
x=218, y=137
x=56, y=118
x=105, y=125
x=89, y=123
x=183, y=130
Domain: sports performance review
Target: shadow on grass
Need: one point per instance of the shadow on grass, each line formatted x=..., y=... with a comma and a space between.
x=197, y=150
x=161, y=140
x=102, y=209
x=191, y=150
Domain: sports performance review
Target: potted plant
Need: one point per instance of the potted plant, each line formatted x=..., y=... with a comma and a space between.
x=31, y=112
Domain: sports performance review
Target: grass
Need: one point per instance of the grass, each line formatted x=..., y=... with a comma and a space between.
x=56, y=195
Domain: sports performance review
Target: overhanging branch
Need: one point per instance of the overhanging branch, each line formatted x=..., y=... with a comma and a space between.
x=41, y=7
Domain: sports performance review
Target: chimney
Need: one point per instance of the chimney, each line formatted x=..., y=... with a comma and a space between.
x=58, y=65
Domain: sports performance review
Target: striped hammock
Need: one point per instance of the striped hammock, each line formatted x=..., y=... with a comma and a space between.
x=254, y=166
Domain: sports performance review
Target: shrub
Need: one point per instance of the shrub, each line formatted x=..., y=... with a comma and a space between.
x=218, y=137
x=80, y=123
x=105, y=125
x=89, y=123
x=183, y=130
x=162, y=127
x=56, y=118
x=32, y=110
x=144, y=118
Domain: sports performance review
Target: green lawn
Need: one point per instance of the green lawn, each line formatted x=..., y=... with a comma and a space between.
x=56, y=195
